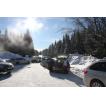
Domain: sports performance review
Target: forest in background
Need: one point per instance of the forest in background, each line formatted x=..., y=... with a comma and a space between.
x=17, y=44
x=88, y=37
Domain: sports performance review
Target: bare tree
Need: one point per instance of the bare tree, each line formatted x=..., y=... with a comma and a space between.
x=93, y=26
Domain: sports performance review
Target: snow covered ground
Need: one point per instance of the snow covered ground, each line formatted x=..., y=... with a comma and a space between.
x=34, y=75
x=77, y=62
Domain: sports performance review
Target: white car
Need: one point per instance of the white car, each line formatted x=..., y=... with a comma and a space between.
x=18, y=61
x=95, y=74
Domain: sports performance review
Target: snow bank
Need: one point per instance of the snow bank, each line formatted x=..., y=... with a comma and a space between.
x=8, y=55
x=79, y=63
x=76, y=59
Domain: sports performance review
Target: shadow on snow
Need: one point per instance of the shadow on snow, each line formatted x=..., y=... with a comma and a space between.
x=70, y=76
x=16, y=69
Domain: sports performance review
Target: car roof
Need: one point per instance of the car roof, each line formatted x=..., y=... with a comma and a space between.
x=102, y=60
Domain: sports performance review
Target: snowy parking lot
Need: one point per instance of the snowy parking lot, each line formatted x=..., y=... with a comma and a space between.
x=34, y=75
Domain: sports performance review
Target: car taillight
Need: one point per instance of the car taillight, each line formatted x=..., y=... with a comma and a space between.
x=85, y=71
x=55, y=65
x=69, y=66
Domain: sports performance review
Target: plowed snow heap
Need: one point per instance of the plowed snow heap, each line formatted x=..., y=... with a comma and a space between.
x=9, y=55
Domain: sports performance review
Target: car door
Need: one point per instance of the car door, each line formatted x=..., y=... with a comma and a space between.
x=95, y=70
x=103, y=73
x=44, y=62
x=17, y=60
x=20, y=60
x=24, y=61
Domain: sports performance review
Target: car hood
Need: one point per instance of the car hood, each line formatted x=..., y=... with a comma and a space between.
x=5, y=63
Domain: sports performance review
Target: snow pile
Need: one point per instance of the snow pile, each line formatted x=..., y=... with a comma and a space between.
x=8, y=55
x=76, y=59
x=79, y=63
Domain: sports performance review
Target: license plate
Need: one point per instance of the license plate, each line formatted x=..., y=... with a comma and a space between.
x=9, y=67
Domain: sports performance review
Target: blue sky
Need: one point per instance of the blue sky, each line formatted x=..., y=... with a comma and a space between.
x=42, y=29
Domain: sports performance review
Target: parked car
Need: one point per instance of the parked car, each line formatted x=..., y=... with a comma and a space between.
x=36, y=59
x=95, y=74
x=5, y=67
x=44, y=61
x=57, y=64
x=18, y=61
x=12, y=60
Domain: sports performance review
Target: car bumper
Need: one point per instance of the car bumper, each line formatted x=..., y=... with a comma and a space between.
x=4, y=72
x=86, y=80
x=59, y=69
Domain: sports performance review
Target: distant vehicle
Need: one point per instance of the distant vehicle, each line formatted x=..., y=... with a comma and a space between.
x=58, y=64
x=27, y=57
x=5, y=67
x=18, y=61
x=12, y=60
x=44, y=61
x=36, y=59
x=95, y=74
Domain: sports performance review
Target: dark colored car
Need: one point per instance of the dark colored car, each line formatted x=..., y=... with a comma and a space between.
x=6, y=67
x=57, y=65
x=44, y=61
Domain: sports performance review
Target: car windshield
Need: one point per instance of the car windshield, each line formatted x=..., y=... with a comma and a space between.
x=62, y=56
x=46, y=58
x=34, y=57
x=1, y=60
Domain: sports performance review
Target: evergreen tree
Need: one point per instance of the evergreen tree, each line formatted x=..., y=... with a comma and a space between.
x=67, y=42
x=55, y=49
x=28, y=43
x=6, y=40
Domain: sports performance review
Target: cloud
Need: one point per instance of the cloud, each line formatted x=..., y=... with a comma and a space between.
x=23, y=24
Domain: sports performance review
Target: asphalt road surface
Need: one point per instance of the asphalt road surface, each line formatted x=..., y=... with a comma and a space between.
x=34, y=75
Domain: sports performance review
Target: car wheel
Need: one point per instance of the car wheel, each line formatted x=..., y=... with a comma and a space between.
x=17, y=63
x=96, y=83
